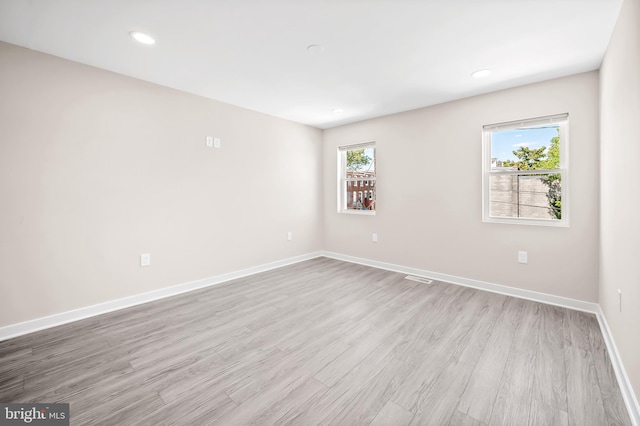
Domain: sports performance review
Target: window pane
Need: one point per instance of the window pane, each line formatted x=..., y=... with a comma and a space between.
x=362, y=200
x=536, y=196
x=361, y=160
x=529, y=148
x=361, y=166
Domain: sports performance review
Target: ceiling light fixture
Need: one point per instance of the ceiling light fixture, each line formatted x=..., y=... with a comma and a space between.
x=142, y=37
x=481, y=73
x=315, y=49
x=338, y=110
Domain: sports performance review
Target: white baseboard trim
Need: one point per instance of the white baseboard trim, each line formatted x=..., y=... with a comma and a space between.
x=630, y=400
x=15, y=330
x=535, y=296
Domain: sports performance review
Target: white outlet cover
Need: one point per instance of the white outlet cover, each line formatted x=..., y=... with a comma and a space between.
x=216, y=142
x=522, y=257
x=210, y=141
x=145, y=259
x=374, y=238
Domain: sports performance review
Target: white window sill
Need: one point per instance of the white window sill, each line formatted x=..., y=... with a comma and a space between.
x=359, y=212
x=534, y=222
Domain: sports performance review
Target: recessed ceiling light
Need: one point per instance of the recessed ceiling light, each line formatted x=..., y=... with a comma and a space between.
x=315, y=49
x=480, y=73
x=338, y=110
x=142, y=37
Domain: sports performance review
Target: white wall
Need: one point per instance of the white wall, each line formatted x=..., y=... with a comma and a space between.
x=429, y=208
x=96, y=168
x=620, y=180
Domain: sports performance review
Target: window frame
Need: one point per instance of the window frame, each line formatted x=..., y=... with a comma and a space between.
x=343, y=181
x=562, y=120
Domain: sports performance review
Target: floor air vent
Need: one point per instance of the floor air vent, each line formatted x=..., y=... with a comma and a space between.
x=418, y=279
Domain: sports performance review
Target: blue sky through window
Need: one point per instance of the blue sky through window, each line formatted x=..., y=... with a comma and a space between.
x=503, y=143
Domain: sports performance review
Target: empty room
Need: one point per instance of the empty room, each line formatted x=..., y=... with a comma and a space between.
x=320, y=212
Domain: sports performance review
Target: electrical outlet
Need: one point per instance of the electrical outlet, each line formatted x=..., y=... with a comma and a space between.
x=289, y=236
x=522, y=257
x=210, y=141
x=216, y=142
x=620, y=300
x=145, y=259
x=374, y=238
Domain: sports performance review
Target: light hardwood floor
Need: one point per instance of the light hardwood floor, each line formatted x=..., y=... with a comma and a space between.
x=323, y=342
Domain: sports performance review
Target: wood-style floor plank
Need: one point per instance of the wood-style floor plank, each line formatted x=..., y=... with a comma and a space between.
x=364, y=406
x=392, y=414
x=543, y=414
x=513, y=402
x=197, y=409
x=584, y=399
x=439, y=404
x=460, y=419
x=311, y=388
x=317, y=408
x=549, y=380
x=480, y=395
x=322, y=342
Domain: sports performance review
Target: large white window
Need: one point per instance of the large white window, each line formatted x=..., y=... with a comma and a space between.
x=357, y=165
x=525, y=171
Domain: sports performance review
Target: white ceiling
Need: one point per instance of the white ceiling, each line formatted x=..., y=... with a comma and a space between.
x=380, y=56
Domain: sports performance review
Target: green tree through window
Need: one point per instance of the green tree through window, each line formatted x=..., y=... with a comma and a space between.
x=537, y=159
x=357, y=160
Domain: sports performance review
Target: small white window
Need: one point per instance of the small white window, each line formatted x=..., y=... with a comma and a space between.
x=357, y=168
x=525, y=171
